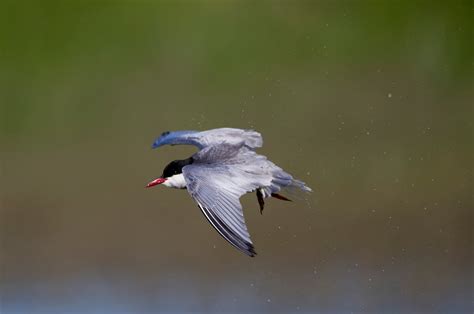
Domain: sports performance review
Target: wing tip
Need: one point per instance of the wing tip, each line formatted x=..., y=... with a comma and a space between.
x=174, y=138
x=251, y=251
x=241, y=244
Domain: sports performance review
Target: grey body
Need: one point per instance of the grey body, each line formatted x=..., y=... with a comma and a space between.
x=225, y=168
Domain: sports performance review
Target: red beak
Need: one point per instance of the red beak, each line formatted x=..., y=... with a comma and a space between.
x=155, y=182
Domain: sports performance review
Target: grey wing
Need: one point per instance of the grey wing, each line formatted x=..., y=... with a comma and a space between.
x=249, y=138
x=220, y=175
x=217, y=189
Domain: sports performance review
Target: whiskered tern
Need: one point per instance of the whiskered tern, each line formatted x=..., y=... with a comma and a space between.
x=225, y=168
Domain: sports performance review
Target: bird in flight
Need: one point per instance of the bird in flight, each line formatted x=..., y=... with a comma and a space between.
x=225, y=167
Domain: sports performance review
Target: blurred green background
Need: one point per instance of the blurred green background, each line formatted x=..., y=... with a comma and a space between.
x=369, y=102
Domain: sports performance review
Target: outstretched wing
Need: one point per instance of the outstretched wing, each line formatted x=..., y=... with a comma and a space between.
x=250, y=138
x=217, y=187
x=217, y=195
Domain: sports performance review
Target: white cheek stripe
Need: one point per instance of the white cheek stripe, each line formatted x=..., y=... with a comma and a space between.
x=177, y=181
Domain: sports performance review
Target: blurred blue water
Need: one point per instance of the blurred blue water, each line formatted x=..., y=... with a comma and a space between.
x=179, y=293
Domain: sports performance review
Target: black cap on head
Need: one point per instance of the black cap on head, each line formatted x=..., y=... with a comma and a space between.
x=176, y=167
